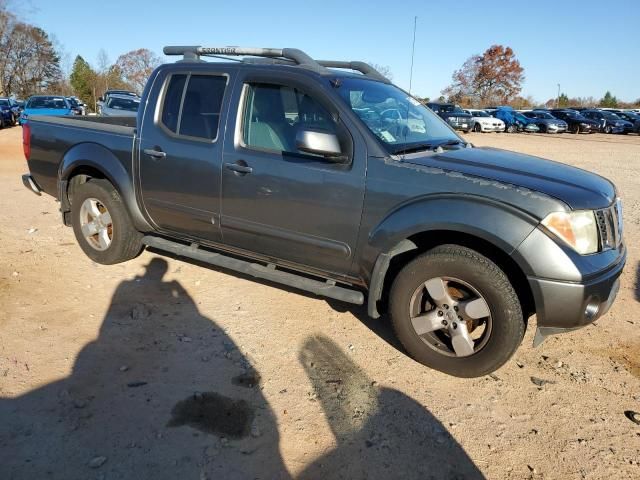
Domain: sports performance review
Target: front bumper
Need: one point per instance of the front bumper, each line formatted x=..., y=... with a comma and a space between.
x=491, y=128
x=564, y=306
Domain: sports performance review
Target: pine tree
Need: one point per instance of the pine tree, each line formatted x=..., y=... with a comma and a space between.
x=82, y=80
x=609, y=100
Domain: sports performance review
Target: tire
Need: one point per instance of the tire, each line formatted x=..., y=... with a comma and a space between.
x=511, y=128
x=477, y=128
x=576, y=130
x=116, y=240
x=14, y=120
x=608, y=129
x=504, y=325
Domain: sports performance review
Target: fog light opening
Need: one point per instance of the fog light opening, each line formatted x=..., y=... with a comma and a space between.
x=593, y=307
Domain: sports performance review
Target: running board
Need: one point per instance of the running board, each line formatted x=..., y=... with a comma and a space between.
x=268, y=272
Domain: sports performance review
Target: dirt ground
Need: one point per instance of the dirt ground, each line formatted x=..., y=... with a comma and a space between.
x=161, y=369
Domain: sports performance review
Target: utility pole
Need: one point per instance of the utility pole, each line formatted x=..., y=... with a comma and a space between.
x=413, y=50
x=558, y=98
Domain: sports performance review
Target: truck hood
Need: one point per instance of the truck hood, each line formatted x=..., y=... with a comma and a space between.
x=577, y=188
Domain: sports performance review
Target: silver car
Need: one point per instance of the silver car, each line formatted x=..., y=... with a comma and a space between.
x=120, y=106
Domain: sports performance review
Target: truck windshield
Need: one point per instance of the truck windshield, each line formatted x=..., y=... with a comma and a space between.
x=4, y=103
x=398, y=120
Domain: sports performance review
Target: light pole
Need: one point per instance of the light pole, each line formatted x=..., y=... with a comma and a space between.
x=558, y=98
x=413, y=50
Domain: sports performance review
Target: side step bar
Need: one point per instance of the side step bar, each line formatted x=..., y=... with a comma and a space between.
x=269, y=272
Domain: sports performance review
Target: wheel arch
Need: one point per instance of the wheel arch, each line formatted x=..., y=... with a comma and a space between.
x=90, y=160
x=493, y=230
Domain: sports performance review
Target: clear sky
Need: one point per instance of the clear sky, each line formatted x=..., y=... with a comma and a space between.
x=588, y=46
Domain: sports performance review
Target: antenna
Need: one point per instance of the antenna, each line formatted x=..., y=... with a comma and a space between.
x=413, y=50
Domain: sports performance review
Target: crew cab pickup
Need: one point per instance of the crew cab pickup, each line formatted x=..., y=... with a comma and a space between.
x=285, y=168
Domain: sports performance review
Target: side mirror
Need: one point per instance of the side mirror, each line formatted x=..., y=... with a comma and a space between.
x=320, y=143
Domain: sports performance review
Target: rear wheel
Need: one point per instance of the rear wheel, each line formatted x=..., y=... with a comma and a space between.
x=608, y=129
x=102, y=225
x=455, y=310
x=477, y=128
x=575, y=129
x=511, y=128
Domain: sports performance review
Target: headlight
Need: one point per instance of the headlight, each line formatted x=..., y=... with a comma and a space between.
x=576, y=229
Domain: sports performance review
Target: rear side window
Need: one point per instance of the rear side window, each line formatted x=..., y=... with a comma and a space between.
x=172, y=101
x=201, y=107
x=194, y=111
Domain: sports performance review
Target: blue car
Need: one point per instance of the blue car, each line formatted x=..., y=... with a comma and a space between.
x=54, y=105
x=9, y=112
x=515, y=121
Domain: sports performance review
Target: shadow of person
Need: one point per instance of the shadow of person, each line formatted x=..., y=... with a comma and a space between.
x=637, y=286
x=380, y=432
x=162, y=393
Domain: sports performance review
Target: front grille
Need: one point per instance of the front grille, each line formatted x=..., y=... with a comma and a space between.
x=609, y=222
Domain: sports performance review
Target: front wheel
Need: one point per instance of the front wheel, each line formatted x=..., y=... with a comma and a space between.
x=102, y=225
x=608, y=129
x=477, y=128
x=455, y=310
x=511, y=128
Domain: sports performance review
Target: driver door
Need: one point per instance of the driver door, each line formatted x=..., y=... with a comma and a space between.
x=283, y=203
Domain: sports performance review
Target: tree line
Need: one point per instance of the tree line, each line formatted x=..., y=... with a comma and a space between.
x=495, y=78
x=30, y=64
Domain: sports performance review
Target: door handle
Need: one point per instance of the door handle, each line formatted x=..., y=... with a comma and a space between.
x=154, y=153
x=239, y=168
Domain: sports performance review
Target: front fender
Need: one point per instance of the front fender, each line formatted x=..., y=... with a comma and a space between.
x=93, y=156
x=499, y=224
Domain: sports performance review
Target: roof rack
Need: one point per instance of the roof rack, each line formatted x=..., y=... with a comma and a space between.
x=279, y=56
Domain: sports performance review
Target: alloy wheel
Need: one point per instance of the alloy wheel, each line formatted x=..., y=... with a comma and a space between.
x=450, y=316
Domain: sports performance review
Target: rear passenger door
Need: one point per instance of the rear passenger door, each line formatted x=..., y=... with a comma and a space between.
x=180, y=153
x=281, y=202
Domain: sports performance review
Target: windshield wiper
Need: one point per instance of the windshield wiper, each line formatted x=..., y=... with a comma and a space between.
x=426, y=146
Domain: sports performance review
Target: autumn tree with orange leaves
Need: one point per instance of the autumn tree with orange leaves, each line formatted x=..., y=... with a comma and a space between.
x=136, y=67
x=493, y=78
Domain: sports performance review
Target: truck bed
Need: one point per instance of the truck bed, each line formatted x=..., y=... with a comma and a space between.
x=55, y=138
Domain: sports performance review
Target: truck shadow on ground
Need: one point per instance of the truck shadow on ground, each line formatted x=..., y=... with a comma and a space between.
x=380, y=433
x=163, y=392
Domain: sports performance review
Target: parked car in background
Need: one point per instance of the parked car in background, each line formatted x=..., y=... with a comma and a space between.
x=52, y=105
x=9, y=112
x=75, y=105
x=453, y=115
x=576, y=122
x=632, y=117
x=515, y=121
x=120, y=106
x=546, y=122
x=485, y=122
x=609, y=122
x=105, y=97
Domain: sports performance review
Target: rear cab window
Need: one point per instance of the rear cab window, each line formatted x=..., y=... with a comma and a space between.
x=191, y=105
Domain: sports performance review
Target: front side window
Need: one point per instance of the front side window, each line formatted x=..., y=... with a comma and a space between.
x=273, y=115
x=415, y=124
x=194, y=111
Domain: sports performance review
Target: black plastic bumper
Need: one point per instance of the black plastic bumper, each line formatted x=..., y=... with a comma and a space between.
x=564, y=306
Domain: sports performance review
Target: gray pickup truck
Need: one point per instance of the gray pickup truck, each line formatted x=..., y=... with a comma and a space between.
x=284, y=168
